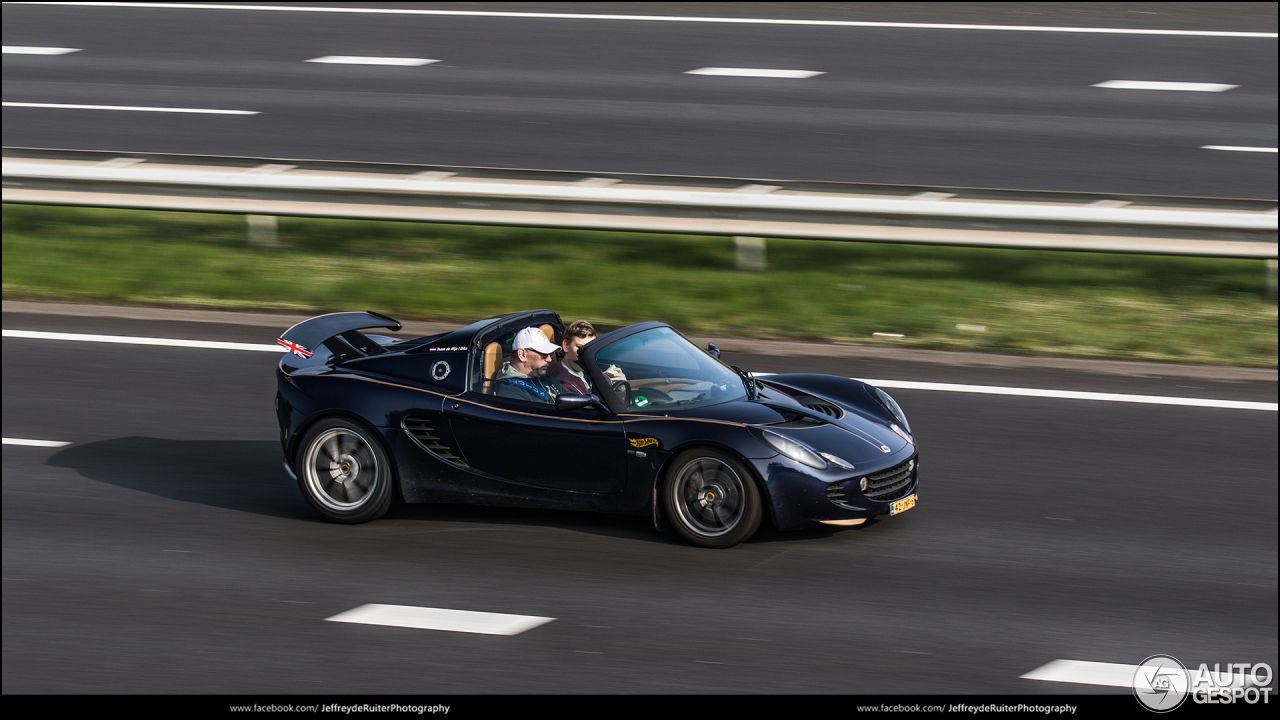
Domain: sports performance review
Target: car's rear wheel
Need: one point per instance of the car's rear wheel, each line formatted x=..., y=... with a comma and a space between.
x=711, y=498
x=343, y=471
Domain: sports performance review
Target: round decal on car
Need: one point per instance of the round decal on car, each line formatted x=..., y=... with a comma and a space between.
x=440, y=370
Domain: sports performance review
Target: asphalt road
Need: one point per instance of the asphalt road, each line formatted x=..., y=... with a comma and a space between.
x=164, y=550
x=1008, y=109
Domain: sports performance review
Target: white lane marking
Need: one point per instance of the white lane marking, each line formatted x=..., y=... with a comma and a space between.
x=134, y=108
x=359, y=60
x=34, y=443
x=754, y=72
x=1085, y=673
x=1073, y=395
x=440, y=619
x=1147, y=85
x=27, y=50
x=1061, y=394
x=1109, y=674
x=905, y=384
x=125, y=340
x=664, y=18
x=1237, y=148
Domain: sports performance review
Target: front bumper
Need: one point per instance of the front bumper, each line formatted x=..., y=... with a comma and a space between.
x=798, y=494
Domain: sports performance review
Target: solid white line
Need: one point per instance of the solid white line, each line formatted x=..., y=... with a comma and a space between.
x=135, y=108
x=1073, y=395
x=754, y=72
x=1109, y=674
x=1183, y=86
x=905, y=384
x=664, y=18
x=440, y=619
x=1237, y=148
x=126, y=340
x=358, y=60
x=1062, y=394
x=34, y=443
x=27, y=50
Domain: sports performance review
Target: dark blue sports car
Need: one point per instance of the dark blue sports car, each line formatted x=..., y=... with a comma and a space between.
x=668, y=430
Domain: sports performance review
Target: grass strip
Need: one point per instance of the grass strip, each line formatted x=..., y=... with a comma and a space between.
x=1197, y=310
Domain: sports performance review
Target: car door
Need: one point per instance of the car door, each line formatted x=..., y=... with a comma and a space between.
x=534, y=444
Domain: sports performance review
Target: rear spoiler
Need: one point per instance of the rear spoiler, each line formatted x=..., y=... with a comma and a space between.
x=337, y=332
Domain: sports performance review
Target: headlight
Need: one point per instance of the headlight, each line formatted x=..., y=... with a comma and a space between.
x=903, y=434
x=792, y=449
x=892, y=406
x=837, y=461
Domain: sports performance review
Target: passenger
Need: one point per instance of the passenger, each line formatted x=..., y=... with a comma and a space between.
x=571, y=376
x=524, y=376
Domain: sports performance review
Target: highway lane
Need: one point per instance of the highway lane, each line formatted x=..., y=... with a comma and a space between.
x=165, y=551
x=893, y=105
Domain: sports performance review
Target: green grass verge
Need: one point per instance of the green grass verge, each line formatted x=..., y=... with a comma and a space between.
x=1030, y=302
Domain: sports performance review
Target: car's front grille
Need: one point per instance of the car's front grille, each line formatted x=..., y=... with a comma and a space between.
x=422, y=429
x=889, y=484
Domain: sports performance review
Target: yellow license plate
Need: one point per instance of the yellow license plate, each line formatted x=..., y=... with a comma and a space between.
x=905, y=503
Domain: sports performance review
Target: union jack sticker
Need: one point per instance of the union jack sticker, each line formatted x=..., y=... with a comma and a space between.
x=294, y=348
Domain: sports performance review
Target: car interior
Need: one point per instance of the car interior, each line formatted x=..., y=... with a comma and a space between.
x=498, y=352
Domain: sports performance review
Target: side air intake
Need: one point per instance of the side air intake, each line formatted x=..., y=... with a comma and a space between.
x=422, y=428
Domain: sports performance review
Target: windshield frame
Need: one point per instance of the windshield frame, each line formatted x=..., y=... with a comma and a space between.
x=587, y=359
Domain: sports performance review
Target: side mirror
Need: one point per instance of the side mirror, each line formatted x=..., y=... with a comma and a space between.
x=577, y=401
x=713, y=351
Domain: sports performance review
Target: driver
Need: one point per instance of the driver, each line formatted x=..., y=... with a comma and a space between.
x=524, y=376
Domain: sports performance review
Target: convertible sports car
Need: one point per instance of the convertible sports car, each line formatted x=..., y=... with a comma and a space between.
x=684, y=438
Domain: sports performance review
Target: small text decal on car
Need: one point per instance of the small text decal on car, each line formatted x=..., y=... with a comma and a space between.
x=643, y=442
x=458, y=348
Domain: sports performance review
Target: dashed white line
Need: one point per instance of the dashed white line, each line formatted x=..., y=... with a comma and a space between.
x=27, y=50
x=1176, y=86
x=424, y=618
x=666, y=18
x=904, y=384
x=126, y=340
x=34, y=443
x=1084, y=672
x=754, y=72
x=133, y=108
x=1238, y=148
x=361, y=60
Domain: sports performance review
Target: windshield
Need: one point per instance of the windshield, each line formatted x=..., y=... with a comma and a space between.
x=664, y=371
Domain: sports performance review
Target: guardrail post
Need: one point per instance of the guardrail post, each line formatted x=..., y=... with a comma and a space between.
x=1271, y=280
x=263, y=231
x=750, y=253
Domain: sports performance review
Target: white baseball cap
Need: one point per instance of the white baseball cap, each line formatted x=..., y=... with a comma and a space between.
x=532, y=337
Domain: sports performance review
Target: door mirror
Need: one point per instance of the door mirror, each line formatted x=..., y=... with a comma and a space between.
x=713, y=351
x=577, y=401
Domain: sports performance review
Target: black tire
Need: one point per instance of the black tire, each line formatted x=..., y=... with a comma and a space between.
x=711, y=498
x=344, y=472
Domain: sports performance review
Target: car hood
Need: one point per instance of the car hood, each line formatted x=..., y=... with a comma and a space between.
x=853, y=437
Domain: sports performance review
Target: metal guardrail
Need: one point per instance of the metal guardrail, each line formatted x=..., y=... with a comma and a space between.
x=645, y=203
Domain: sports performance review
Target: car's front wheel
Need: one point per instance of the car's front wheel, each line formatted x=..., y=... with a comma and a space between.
x=343, y=472
x=711, y=498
